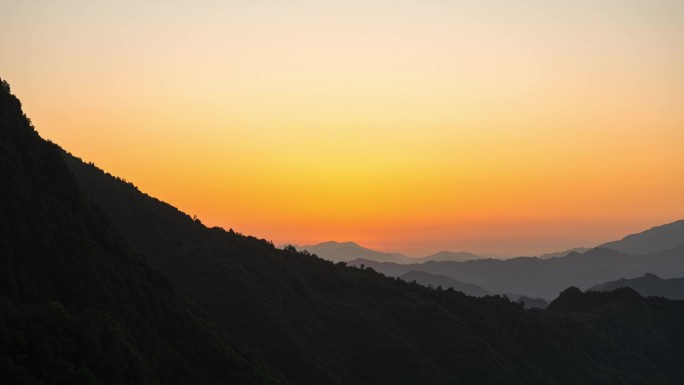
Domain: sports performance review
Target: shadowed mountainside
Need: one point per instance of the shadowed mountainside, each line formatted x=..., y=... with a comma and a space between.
x=612, y=313
x=648, y=285
x=77, y=305
x=320, y=322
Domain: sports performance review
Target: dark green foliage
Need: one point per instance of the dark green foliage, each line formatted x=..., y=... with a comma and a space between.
x=55, y=245
x=320, y=322
x=45, y=344
x=646, y=333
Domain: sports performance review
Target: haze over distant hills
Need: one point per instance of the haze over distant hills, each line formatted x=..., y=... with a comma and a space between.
x=348, y=251
x=658, y=238
x=449, y=256
x=648, y=285
x=545, y=278
x=564, y=253
x=444, y=282
x=547, y=275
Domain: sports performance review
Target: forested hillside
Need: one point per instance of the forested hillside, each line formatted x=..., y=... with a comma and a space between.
x=77, y=305
x=320, y=322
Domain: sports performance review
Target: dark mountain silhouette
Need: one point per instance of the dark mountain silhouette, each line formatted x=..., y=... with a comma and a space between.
x=347, y=251
x=320, y=322
x=315, y=321
x=627, y=309
x=444, y=282
x=77, y=304
x=648, y=285
x=656, y=239
x=545, y=278
x=448, y=256
x=659, y=238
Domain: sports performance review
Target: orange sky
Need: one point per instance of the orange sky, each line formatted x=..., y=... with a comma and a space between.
x=499, y=127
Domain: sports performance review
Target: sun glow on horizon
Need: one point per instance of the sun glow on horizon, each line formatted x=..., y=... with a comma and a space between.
x=503, y=127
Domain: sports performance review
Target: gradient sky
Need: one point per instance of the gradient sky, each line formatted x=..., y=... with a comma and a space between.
x=497, y=127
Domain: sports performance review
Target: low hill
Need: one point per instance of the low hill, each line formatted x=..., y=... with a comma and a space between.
x=77, y=304
x=648, y=285
x=444, y=282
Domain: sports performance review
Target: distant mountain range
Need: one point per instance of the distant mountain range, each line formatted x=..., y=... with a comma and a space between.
x=545, y=278
x=658, y=238
x=349, y=251
x=648, y=285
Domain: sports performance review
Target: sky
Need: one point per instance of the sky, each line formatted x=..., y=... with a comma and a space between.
x=497, y=127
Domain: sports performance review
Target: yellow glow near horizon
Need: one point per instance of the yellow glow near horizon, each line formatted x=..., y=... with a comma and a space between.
x=502, y=127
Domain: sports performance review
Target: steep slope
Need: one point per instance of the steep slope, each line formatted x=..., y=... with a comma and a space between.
x=444, y=282
x=656, y=239
x=648, y=285
x=320, y=322
x=347, y=251
x=78, y=305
